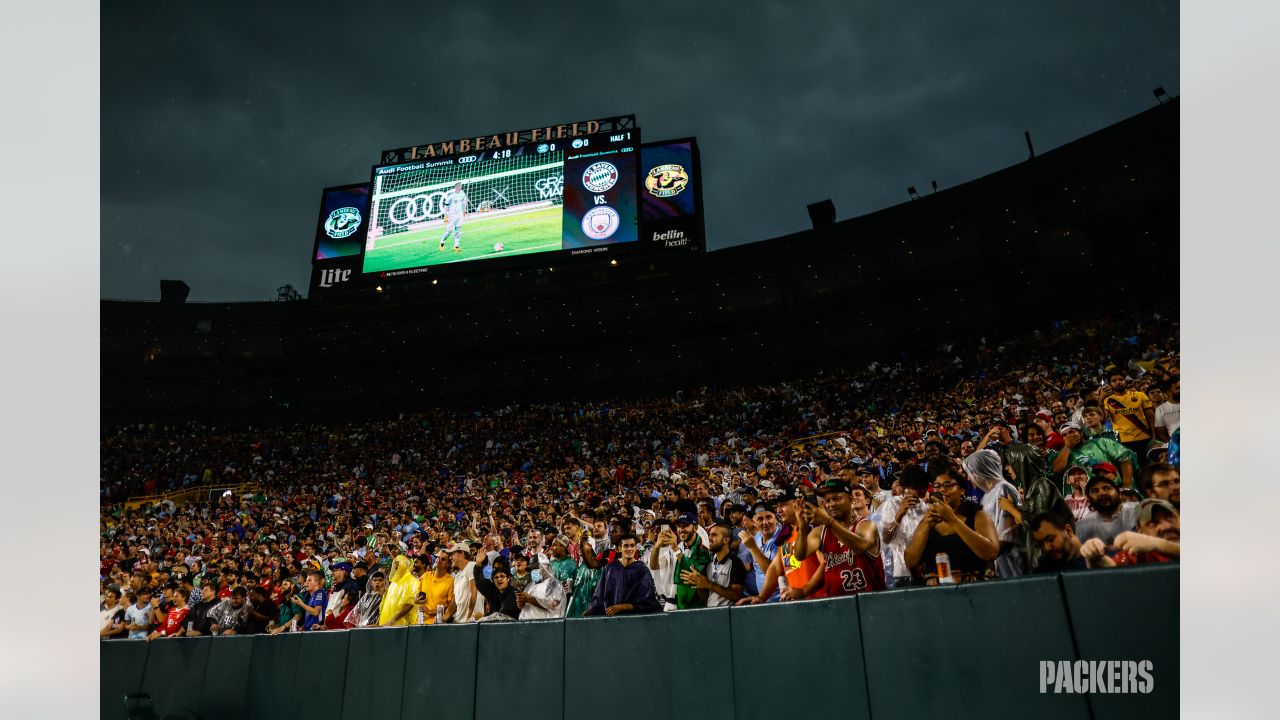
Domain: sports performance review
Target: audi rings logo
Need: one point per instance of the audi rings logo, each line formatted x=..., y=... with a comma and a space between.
x=416, y=208
x=600, y=177
x=600, y=222
x=342, y=222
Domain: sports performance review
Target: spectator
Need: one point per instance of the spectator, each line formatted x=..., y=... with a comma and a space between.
x=788, y=577
x=1131, y=414
x=174, y=618
x=1062, y=550
x=543, y=598
x=464, y=586
x=336, y=619
x=1168, y=414
x=262, y=611
x=562, y=566
x=137, y=619
x=1073, y=485
x=231, y=616
x=369, y=608
x=313, y=606
x=762, y=545
x=690, y=555
x=662, y=563
x=900, y=517
x=198, y=620
x=1092, y=451
x=397, y=600
x=1110, y=517
x=1162, y=481
x=725, y=575
x=435, y=592
x=984, y=469
x=848, y=541
x=1094, y=422
x=499, y=597
x=111, y=615
x=1157, y=539
x=626, y=586
x=955, y=526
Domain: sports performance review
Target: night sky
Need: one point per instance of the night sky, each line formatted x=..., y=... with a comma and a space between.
x=221, y=122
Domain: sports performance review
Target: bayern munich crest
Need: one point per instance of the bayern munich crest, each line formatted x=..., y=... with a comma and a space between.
x=342, y=222
x=600, y=222
x=600, y=177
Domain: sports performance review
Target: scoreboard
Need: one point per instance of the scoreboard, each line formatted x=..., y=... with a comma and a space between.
x=559, y=199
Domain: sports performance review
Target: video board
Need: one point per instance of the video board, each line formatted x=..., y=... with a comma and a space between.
x=340, y=229
x=571, y=195
x=671, y=195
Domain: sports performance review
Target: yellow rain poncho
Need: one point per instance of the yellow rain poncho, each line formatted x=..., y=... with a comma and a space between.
x=400, y=591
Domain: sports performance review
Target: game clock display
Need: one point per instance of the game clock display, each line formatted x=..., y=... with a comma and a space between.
x=573, y=194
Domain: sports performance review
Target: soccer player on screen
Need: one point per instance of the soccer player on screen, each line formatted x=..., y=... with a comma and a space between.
x=455, y=206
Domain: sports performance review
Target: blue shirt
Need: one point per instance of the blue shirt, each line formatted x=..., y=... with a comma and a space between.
x=319, y=599
x=769, y=549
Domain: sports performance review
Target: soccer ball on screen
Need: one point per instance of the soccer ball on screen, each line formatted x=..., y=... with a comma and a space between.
x=497, y=247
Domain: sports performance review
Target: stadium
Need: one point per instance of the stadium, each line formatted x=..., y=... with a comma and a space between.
x=426, y=494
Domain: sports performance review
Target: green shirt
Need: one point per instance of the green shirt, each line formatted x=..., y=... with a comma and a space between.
x=698, y=559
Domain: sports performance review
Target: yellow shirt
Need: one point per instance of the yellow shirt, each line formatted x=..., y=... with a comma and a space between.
x=1128, y=415
x=439, y=591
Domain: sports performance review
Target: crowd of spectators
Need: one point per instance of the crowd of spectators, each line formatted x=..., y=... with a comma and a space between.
x=1050, y=452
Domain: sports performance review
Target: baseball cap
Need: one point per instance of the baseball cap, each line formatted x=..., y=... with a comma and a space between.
x=1105, y=467
x=749, y=489
x=1095, y=479
x=834, y=485
x=1069, y=425
x=1147, y=508
x=1077, y=468
x=687, y=518
x=1157, y=447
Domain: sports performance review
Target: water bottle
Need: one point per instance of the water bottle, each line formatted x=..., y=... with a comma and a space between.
x=439, y=614
x=293, y=625
x=422, y=619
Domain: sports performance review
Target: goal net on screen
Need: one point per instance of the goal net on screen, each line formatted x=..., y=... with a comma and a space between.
x=411, y=200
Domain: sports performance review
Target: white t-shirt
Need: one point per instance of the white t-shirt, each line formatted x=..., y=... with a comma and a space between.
x=1168, y=416
x=455, y=203
x=464, y=594
x=138, y=616
x=664, y=580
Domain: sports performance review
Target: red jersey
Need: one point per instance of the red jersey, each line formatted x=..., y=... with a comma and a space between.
x=849, y=572
x=173, y=620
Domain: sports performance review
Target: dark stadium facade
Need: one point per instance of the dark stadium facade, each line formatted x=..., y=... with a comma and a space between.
x=1097, y=218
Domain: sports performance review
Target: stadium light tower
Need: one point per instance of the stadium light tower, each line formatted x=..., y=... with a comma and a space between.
x=911, y=193
x=822, y=214
x=1162, y=97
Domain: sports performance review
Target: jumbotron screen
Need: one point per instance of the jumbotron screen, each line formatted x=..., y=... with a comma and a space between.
x=569, y=195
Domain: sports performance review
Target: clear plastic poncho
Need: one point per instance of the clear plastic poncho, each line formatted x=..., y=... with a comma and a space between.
x=986, y=470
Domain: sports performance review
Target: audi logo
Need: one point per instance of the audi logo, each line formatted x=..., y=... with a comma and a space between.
x=416, y=208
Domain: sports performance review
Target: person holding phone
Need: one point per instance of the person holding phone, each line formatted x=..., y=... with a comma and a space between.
x=848, y=541
x=956, y=526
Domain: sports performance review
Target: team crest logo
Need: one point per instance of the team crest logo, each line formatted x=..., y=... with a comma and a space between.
x=342, y=222
x=600, y=177
x=600, y=222
x=666, y=180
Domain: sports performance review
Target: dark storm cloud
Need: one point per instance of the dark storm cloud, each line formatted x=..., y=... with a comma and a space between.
x=221, y=124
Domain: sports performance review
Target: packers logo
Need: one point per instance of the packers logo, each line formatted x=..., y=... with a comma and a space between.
x=666, y=180
x=342, y=222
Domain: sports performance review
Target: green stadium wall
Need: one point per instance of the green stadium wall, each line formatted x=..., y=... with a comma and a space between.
x=906, y=653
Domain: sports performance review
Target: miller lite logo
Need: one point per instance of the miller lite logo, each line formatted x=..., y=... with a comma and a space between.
x=329, y=277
